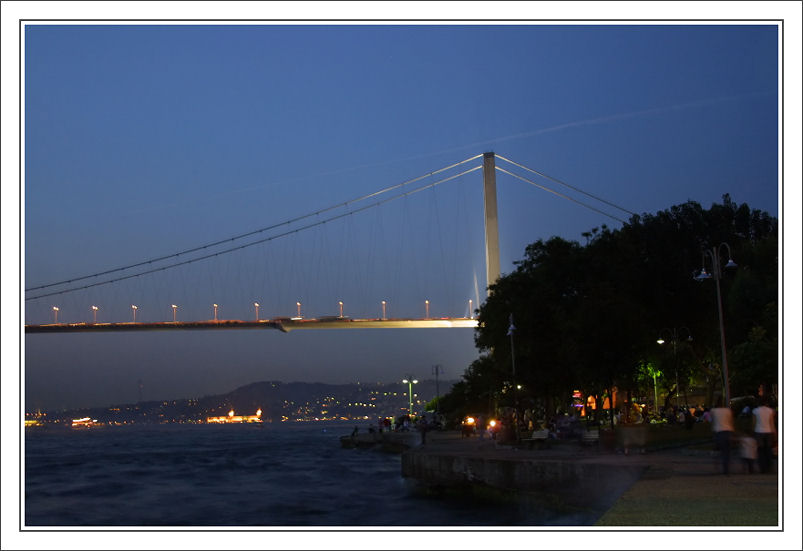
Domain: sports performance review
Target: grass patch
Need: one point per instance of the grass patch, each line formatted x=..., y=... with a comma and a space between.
x=700, y=500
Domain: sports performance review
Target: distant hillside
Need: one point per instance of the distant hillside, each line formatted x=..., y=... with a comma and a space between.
x=278, y=401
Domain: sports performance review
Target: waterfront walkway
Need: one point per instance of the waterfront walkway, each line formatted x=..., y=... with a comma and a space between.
x=678, y=487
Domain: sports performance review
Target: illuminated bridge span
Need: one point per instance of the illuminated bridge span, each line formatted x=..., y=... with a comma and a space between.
x=320, y=219
x=282, y=324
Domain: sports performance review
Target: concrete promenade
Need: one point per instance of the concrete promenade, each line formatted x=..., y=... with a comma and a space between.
x=678, y=487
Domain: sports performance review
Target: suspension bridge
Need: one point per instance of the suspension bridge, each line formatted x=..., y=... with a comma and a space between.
x=302, y=223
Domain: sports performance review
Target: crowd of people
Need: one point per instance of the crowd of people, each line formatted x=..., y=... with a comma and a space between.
x=756, y=449
x=756, y=446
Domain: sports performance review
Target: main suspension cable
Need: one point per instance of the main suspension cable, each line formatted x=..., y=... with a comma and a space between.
x=254, y=232
x=522, y=178
x=600, y=199
x=270, y=238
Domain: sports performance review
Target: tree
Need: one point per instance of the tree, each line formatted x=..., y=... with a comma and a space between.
x=587, y=316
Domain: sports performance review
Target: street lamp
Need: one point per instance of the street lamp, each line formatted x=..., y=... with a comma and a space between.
x=256, y=310
x=410, y=382
x=716, y=273
x=674, y=337
x=94, y=314
x=426, y=309
x=470, y=309
x=55, y=314
x=173, y=306
x=383, y=310
x=298, y=308
x=340, y=305
x=214, y=306
x=134, y=311
x=436, y=369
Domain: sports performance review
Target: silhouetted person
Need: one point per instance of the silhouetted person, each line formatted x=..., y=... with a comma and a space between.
x=689, y=420
x=423, y=427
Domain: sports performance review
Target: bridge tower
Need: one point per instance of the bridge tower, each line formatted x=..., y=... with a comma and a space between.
x=491, y=220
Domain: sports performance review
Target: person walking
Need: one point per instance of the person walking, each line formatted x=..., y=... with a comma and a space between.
x=764, y=430
x=722, y=427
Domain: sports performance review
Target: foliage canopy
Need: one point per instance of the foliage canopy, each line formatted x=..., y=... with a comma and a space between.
x=588, y=316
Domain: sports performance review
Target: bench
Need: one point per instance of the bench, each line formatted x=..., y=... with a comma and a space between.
x=540, y=437
x=590, y=437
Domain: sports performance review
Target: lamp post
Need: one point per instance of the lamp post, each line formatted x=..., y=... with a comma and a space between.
x=256, y=310
x=214, y=312
x=173, y=306
x=94, y=314
x=410, y=382
x=655, y=392
x=134, y=312
x=436, y=369
x=674, y=338
x=426, y=309
x=470, y=309
x=340, y=305
x=298, y=309
x=716, y=273
x=383, y=310
x=510, y=330
x=55, y=314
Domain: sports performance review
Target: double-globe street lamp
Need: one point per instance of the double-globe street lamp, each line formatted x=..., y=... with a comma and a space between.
x=674, y=336
x=716, y=273
x=410, y=382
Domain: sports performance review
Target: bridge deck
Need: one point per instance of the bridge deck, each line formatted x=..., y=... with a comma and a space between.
x=281, y=324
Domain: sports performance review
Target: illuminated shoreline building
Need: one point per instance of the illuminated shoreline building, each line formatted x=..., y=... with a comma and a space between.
x=231, y=418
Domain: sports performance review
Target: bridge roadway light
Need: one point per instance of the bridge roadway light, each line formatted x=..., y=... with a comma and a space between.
x=410, y=382
x=134, y=311
x=298, y=309
x=55, y=314
x=94, y=314
x=256, y=310
x=426, y=309
x=470, y=309
x=214, y=306
x=383, y=310
x=340, y=304
x=716, y=273
x=173, y=306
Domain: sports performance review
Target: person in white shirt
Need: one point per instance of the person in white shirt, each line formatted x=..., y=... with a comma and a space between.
x=722, y=426
x=764, y=430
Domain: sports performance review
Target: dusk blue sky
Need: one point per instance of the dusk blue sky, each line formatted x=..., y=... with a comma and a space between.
x=141, y=141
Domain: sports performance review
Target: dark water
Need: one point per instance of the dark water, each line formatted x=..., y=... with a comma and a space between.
x=232, y=475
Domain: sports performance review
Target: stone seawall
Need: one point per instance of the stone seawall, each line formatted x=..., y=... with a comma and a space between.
x=589, y=483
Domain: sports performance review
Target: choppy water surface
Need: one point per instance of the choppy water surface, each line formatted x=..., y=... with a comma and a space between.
x=230, y=475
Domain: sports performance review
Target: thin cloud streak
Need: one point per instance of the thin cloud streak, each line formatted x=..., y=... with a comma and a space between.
x=511, y=137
